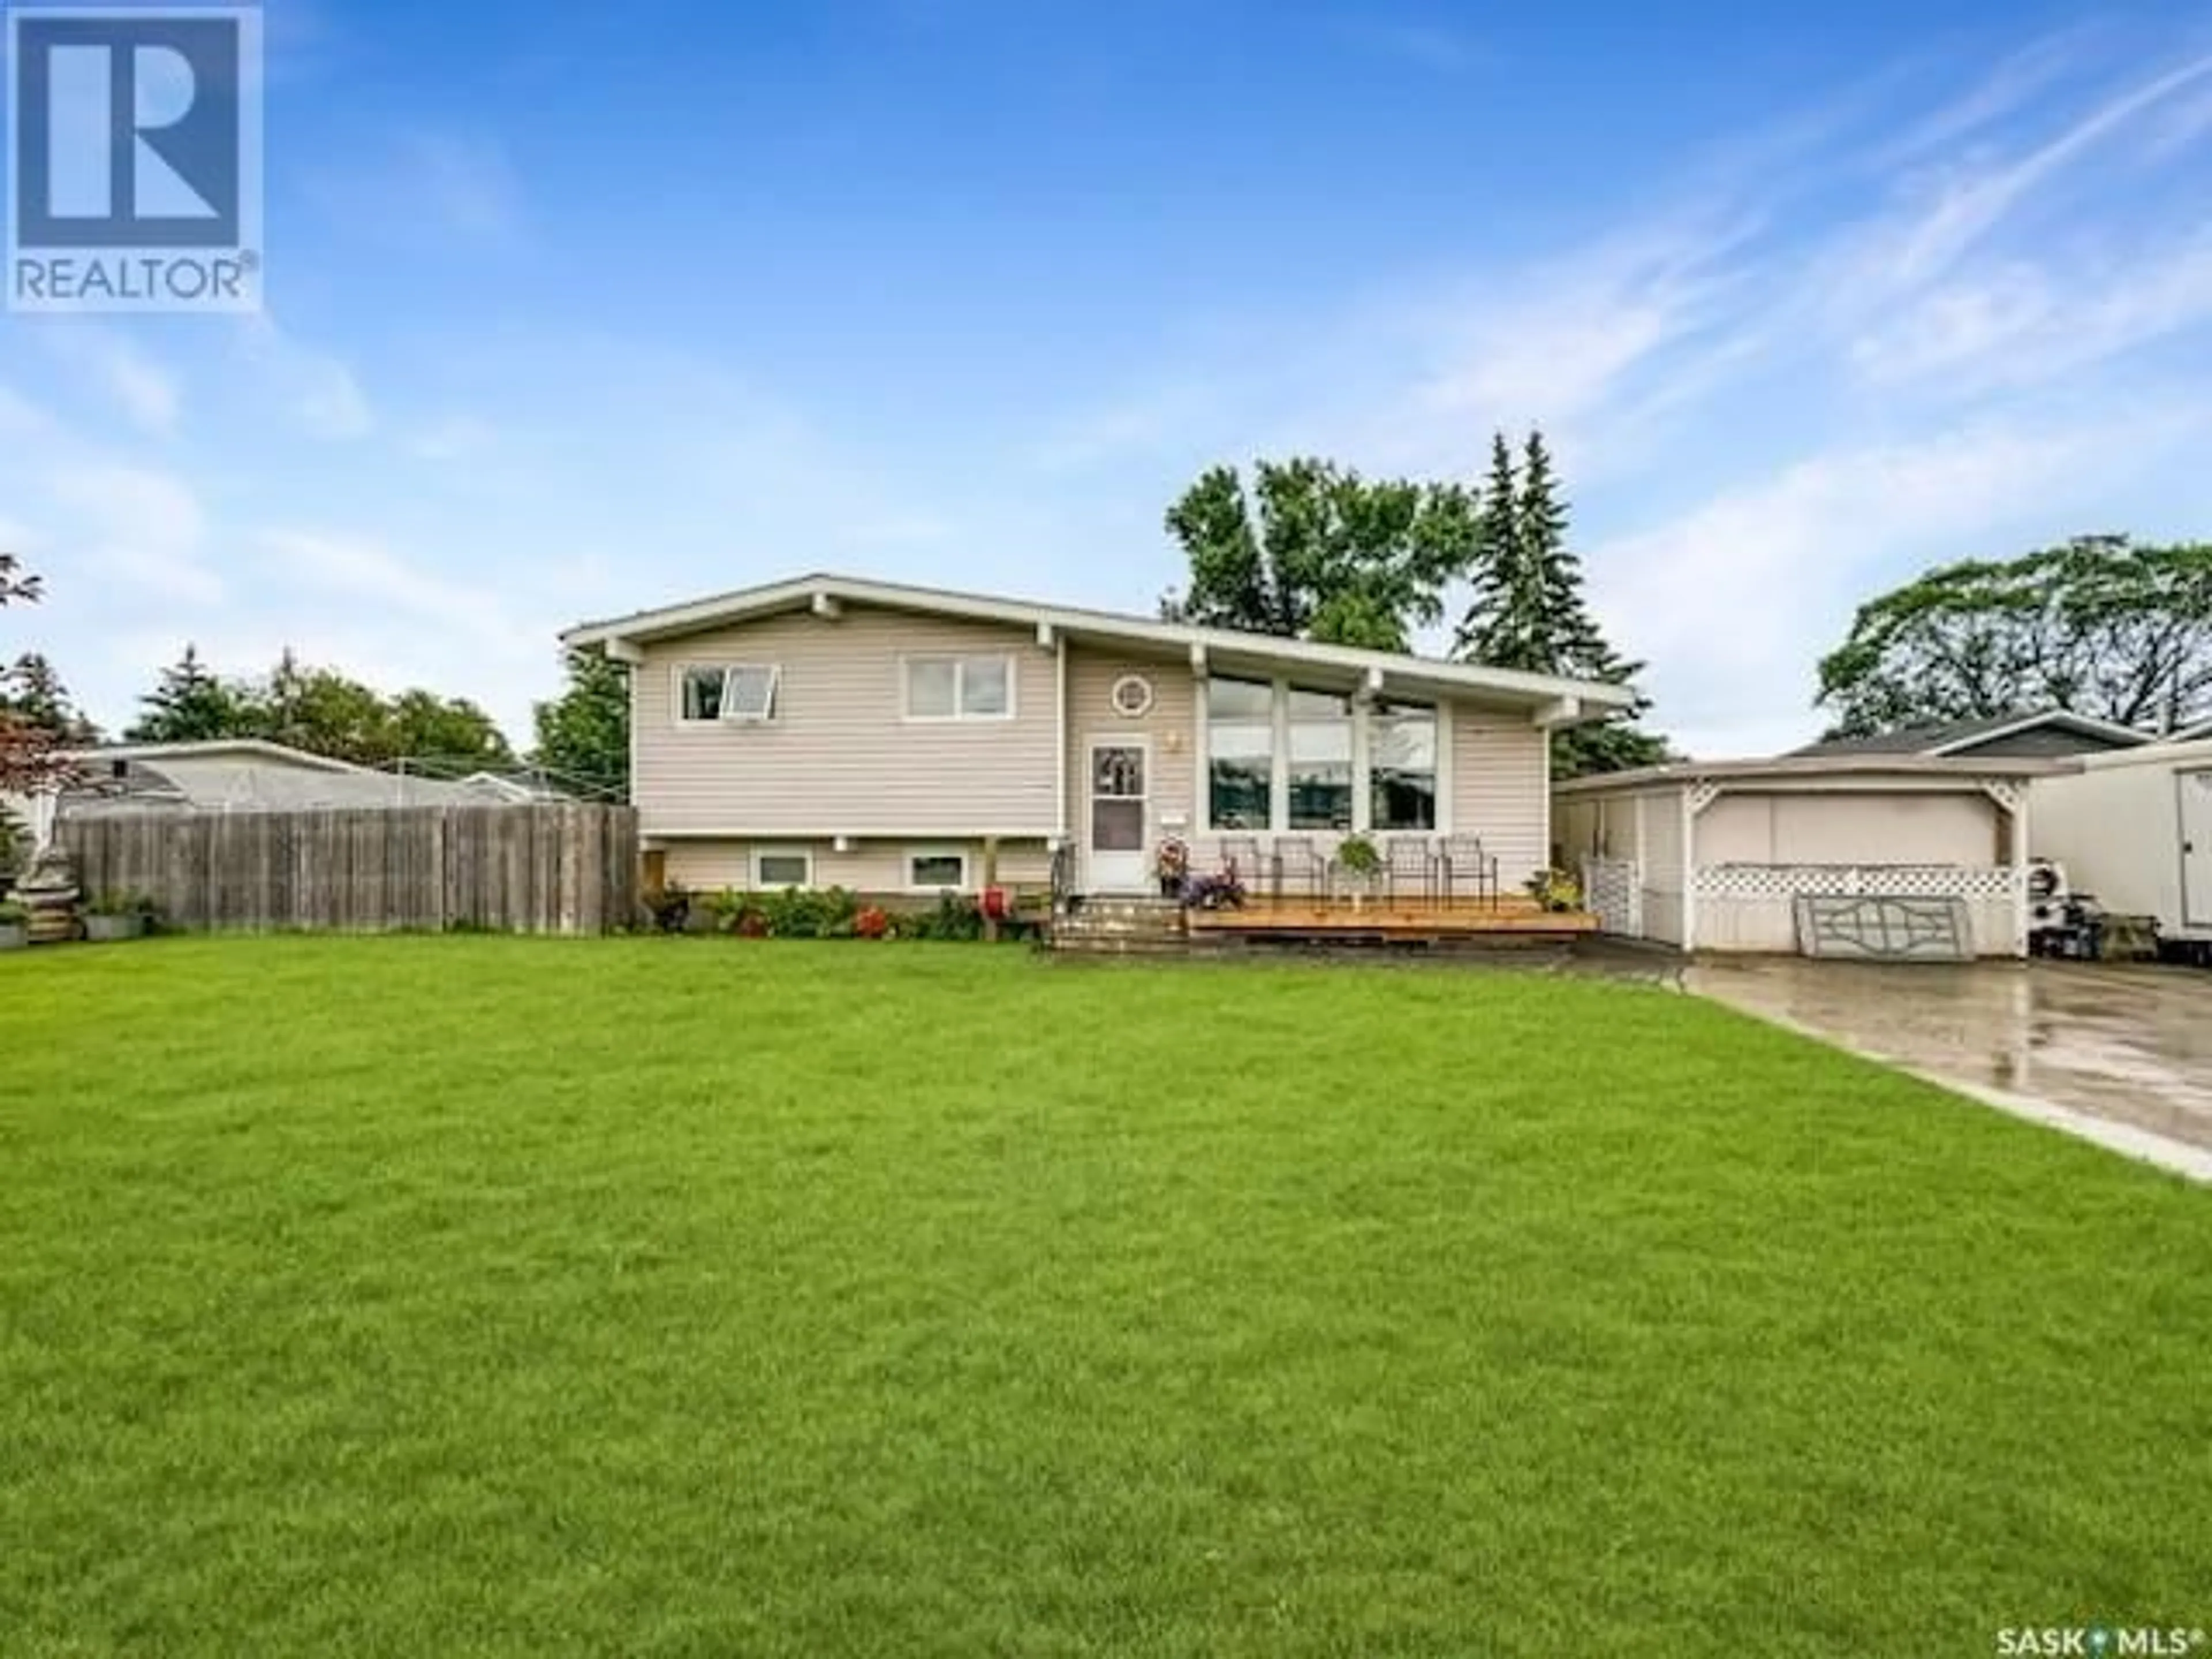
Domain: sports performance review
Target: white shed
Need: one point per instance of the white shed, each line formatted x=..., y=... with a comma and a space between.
x=2134, y=831
x=1714, y=855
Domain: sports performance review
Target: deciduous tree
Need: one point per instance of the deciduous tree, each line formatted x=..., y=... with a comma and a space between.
x=2098, y=626
x=31, y=757
x=583, y=734
x=1312, y=550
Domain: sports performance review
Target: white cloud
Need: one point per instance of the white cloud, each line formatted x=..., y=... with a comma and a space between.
x=464, y=185
x=1733, y=601
x=317, y=391
x=143, y=529
x=150, y=395
x=452, y=438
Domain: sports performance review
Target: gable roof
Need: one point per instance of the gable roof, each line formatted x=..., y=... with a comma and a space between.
x=1958, y=737
x=2195, y=733
x=1233, y=648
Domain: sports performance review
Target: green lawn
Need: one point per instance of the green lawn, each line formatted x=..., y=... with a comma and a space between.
x=464, y=1296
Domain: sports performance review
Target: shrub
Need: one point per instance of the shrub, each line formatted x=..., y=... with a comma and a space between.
x=121, y=902
x=1358, y=856
x=12, y=914
x=1555, y=890
x=670, y=907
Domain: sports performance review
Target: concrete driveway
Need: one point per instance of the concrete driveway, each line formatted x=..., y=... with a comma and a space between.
x=2120, y=1055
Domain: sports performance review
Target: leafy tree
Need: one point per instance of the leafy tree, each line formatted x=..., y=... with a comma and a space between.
x=323, y=712
x=583, y=735
x=189, y=704
x=1528, y=611
x=451, y=731
x=31, y=757
x=2097, y=626
x=1313, y=550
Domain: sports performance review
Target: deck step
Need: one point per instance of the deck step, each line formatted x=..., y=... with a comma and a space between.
x=1122, y=927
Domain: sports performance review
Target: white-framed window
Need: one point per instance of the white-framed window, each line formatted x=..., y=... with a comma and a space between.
x=1283, y=758
x=710, y=692
x=960, y=688
x=937, y=870
x=782, y=866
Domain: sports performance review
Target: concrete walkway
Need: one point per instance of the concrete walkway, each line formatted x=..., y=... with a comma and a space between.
x=2122, y=1056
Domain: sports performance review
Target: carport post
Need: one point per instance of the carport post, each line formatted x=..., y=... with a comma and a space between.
x=1690, y=792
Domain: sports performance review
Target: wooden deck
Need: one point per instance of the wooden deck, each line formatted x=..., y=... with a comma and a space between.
x=1409, y=921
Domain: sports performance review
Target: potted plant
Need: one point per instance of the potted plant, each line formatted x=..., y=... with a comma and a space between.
x=1171, y=864
x=116, y=915
x=15, y=926
x=1360, y=860
x=1555, y=890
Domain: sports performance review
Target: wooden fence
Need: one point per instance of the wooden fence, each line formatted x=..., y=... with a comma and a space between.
x=522, y=869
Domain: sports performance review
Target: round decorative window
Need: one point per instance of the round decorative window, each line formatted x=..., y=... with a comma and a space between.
x=1133, y=695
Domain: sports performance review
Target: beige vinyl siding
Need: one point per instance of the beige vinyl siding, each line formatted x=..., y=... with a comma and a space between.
x=871, y=867
x=840, y=757
x=1501, y=788
x=1170, y=725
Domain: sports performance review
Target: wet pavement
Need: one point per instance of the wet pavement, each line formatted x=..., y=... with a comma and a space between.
x=2123, y=1054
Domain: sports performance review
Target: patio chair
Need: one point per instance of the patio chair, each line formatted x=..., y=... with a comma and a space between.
x=1298, y=868
x=1410, y=865
x=1469, y=871
x=1240, y=856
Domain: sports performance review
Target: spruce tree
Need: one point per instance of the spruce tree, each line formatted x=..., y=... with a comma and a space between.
x=1504, y=625
x=191, y=705
x=1529, y=612
x=32, y=692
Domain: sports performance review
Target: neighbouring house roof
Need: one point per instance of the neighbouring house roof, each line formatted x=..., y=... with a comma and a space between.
x=2052, y=732
x=243, y=749
x=248, y=773
x=1577, y=699
x=2195, y=733
x=1812, y=770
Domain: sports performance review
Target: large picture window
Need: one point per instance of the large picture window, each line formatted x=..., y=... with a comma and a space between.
x=1321, y=761
x=960, y=688
x=1401, y=766
x=1240, y=753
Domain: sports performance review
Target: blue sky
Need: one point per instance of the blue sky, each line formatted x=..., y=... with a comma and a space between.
x=578, y=309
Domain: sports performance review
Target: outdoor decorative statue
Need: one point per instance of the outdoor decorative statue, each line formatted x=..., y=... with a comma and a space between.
x=48, y=891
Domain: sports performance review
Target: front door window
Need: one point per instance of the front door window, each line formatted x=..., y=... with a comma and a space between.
x=1117, y=798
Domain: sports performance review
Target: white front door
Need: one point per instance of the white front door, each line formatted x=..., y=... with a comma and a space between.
x=2195, y=847
x=1116, y=856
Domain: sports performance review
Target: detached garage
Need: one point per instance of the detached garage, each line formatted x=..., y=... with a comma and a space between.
x=1899, y=855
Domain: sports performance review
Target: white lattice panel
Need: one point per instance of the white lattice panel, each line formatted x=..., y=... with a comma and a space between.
x=1789, y=881
x=1613, y=889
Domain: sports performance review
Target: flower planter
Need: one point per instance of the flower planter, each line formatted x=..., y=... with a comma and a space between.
x=107, y=930
x=14, y=935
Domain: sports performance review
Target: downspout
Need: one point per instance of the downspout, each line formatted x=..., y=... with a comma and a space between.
x=1060, y=746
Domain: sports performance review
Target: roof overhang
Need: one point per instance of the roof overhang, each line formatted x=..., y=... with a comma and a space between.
x=1810, y=771
x=1549, y=700
x=153, y=754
